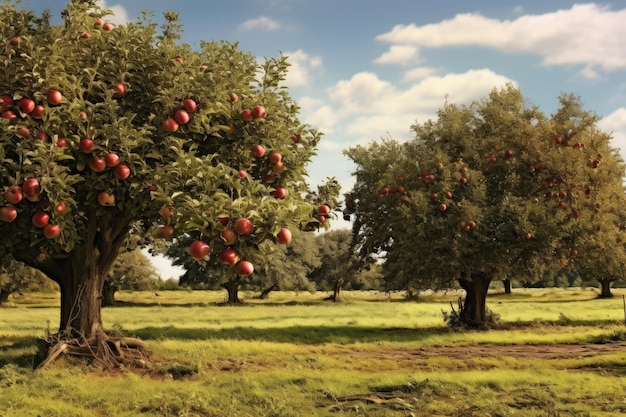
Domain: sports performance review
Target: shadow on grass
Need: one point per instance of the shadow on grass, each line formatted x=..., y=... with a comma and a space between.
x=18, y=350
x=295, y=334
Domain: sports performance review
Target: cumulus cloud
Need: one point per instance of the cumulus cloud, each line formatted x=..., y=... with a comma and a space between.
x=261, y=22
x=615, y=123
x=301, y=66
x=419, y=73
x=399, y=54
x=119, y=16
x=319, y=114
x=590, y=35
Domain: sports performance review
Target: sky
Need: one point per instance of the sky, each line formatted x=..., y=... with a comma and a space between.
x=369, y=69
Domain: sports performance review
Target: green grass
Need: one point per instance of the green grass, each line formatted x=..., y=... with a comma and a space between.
x=295, y=355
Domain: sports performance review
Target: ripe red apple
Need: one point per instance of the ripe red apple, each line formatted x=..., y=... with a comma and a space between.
x=61, y=142
x=54, y=97
x=82, y=115
x=439, y=166
x=189, y=105
x=178, y=59
x=246, y=115
x=98, y=22
x=42, y=136
x=97, y=164
x=6, y=101
x=493, y=158
x=120, y=90
x=224, y=220
x=228, y=236
x=38, y=112
x=323, y=209
x=573, y=253
x=258, y=112
x=85, y=35
x=8, y=214
x=199, y=249
x=164, y=231
x=243, y=226
x=508, y=153
x=228, y=256
x=242, y=173
x=108, y=26
x=121, y=172
x=112, y=159
x=269, y=178
x=13, y=194
x=244, y=268
x=60, y=208
x=26, y=105
x=31, y=187
x=170, y=125
x=181, y=116
x=52, y=231
x=449, y=195
x=105, y=199
x=40, y=219
x=86, y=145
x=321, y=219
x=443, y=207
x=258, y=151
x=23, y=131
x=166, y=212
x=280, y=192
x=528, y=236
x=278, y=167
x=463, y=180
x=275, y=157
x=15, y=41
x=233, y=97
x=295, y=138
x=202, y=68
x=284, y=235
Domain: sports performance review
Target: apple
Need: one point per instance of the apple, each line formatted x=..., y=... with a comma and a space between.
x=82, y=115
x=258, y=151
x=6, y=101
x=242, y=173
x=463, y=180
x=97, y=164
x=38, y=112
x=31, y=187
x=9, y=114
x=528, y=236
x=322, y=219
x=105, y=199
x=443, y=207
x=493, y=158
x=280, y=192
x=324, y=209
x=26, y=105
x=178, y=59
x=202, y=68
x=558, y=140
x=164, y=231
x=275, y=157
x=61, y=142
x=54, y=97
x=284, y=235
x=85, y=35
x=508, y=153
x=224, y=220
x=23, y=131
x=121, y=172
x=170, y=125
x=228, y=236
x=112, y=159
x=86, y=145
x=439, y=166
x=181, y=116
x=166, y=212
x=258, y=112
x=449, y=195
x=8, y=214
x=60, y=208
x=15, y=41
x=278, y=167
x=52, y=231
x=120, y=90
x=243, y=226
x=189, y=105
x=295, y=138
x=13, y=194
x=40, y=219
x=228, y=256
x=233, y=97
x=573, y=253
x=108, y=26
x=246, y=115
x=98, y=22
x=244, y=268
x=199, y=249
x=269, y=178
x=42, y=136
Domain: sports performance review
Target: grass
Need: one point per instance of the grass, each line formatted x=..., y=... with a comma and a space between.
x=295, y=355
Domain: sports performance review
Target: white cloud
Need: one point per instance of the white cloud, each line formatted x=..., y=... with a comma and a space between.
x=301, y=66
x=119, y=16
x=399, y=54
x=316, y=113
x=615, y=123
x=586, y=34
x=419, y=73
x=261, y=22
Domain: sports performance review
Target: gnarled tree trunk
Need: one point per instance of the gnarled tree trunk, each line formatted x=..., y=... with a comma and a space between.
x=4, y=296
x=507, y=286
x=108, y=294
x=266, y=292
x=605, y=288
x=232, y=289
x=474, y=311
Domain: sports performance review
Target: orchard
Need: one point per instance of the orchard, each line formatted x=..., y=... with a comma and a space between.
x=112, y=131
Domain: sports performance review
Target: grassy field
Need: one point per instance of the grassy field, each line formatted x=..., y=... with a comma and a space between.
x=556, y=353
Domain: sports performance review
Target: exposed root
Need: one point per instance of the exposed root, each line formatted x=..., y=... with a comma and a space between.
x=109, y=352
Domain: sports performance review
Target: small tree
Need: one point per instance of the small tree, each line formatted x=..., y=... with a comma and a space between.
x=338, y=264
x=16, y=277
x=132, y=270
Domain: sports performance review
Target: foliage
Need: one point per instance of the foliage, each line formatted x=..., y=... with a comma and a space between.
x=132, y=270
x=15, y=276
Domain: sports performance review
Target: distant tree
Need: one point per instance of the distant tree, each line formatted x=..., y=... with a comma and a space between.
x=16, y=276
x=131, y=271
x=338, y=264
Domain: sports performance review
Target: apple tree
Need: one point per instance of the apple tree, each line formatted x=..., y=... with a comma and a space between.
x=111, y=131
x=132, y=270
x=491, y=191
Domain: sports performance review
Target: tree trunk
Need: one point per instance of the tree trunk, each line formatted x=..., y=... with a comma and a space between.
x=266, y=292
x=605, y=288
x=4, y=297
x=337, y=290
x=507, y=286
x=232, y=288
x=474, y=309
x=108, y=294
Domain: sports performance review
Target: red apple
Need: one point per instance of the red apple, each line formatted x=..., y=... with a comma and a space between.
x=448, y=195
x=112, y=159
x=199, y=249
x=178, y=59
x=246, y=115
x=258, y=151
x=443, y=207
x=228, y=256
x=224, y=220
x=8, y=214
x=82, y=115
x=295, y=138
x=439, y=166
x=269, y=178
x=284, y=235
x=9, y=114
x=31, y=187
x=244, y=268
x=508, y=153
x=164, y=231
x=13, y=194
x=86, y=145
x=189, y=105
x=15, y=41
x=170, y=125
x=258, y=112
x=26, y=105
x=108, y=26
x=228, y=236
x=181, y=116
x=528, y=236
x=105, y=199
x=54, y=97
x=52, y=231
x=42, y=136
x=280, y=192
x=98, y=22
x=61, y=142
x=97, y=164
x=6, y=101
x=23, y=131
x=243, y=226
x=202, y=68
x=40, y=219
x=233, y=97
x=85, y=35
x=242, y=173
x=275, y=157
x=38, y=112
x=165, y=212
x=121, y=172
x=323, y=209
x=119, y=90
x=60, y=208
x=278, y=167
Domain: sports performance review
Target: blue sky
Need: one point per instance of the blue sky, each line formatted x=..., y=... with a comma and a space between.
x=367, y=69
